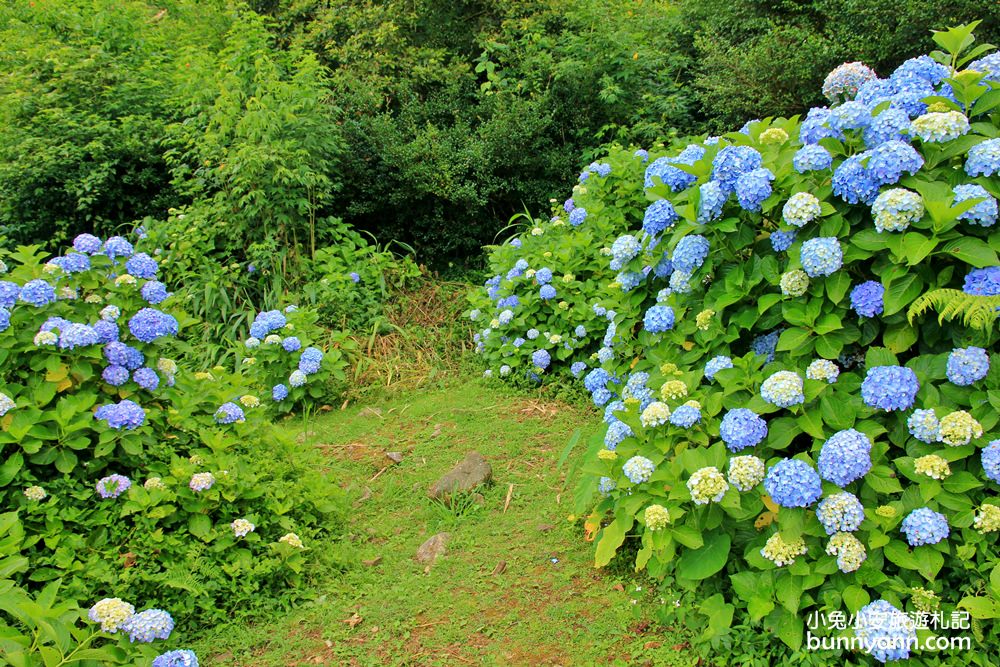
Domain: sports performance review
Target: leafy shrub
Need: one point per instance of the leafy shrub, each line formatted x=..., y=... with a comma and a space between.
x=286, y=367
x=788, y=331
x=131, y=474
x=550, y=295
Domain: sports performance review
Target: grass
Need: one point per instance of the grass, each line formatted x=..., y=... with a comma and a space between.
x=517, y=585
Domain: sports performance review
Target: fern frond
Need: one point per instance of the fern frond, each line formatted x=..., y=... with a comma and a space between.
x=975, y=312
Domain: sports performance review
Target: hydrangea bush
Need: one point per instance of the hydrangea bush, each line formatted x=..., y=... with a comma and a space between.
x=806, y=419
x=284, y=358
x=131, y=472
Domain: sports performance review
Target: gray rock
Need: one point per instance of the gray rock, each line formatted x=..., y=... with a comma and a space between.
x=471, y=472
x=433, y=548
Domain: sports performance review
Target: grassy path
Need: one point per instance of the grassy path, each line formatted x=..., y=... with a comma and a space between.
x=517, y=587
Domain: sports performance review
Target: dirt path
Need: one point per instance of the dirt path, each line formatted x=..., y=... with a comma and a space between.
x=517, y=585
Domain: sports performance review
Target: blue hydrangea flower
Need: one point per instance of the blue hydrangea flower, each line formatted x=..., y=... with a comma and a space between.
x=889, y=125
x=850, y=116
x=815, y=127
x=711, y=198
x=840, y=513
x=766, y=344
x=890, y=388
x=125, y=414
x=983, y=282
x=658, y=319
x=115, y=375
x=73, y=262
x=853, y=183
x=617, y=431
x=866, y=298
x=690, y=253
x=229, y=413
x=793, y=483
x=611, y=409
x=623, y=250
x=113, y=486
x=801, y=209
x=924, y=426
x=291, y=344
x=541, y=359
x=4, y=319
x=148, y=625
x=87, y=243
x=509, y=302
x=596, y=379
x=266, y=322
x=569, y=205
x=116, y=246
x=577, y=368
x=845, y=457
x=812, y=157
x=985, y=212
x=821, y=256
x=77, y=335
x=968, y=365
x=988, y=65
x=577, y=217
x=142, y=265
x=146, y=378
x=107, y=331
x=642, y=154
x=675, y=178
x=685, y=416
x=742, y=428
x=782, y=241
x=547, y=292
x=601, y=168
x=664, y=267
x=888, y=162
x=732, y=162
x=984, y=158
x=310, y=360
x=355, y=277
x=885, y=632
x=925, y=526
x=606, y=485
x=532, y=334
x=601, y=396
x=659, y=216
x=923, y=68
x=9, y=293
x=179, y=658
x=580, y=331
x=990, y=458
x=518, y=342
x=638, y=469
x=716, y=364
x=123, y=355
x=753, y=187
x=543, y=275
x=783, y=389
x=38, y=293
x=149, y=324
x=629, y=280
x=279, y=392
x=154, y=292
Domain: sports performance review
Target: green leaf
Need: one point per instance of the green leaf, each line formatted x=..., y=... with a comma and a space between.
x=900, y=293
x=855, y=598
x=972, y=251
x=979, y=607
x=199, y=525
x=706, y=561
x=612, y=537
x=688, y=536
x=786, y=626
x=793, y=338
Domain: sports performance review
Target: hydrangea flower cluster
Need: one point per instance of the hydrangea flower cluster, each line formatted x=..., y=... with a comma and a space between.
x=690, y=253
x=742, y=428
x=940, y=126
x=896, y=209
x=794, y=283
x=890, y=388
x=707, y=485
x=867, y=299
x=932, y=465
x=821, y=256
x=845, y=457
x=885, y=632
x=685, y=416
x=659, y=319
x=793, y=483
x=177, y=658
x=656, y=517
x=783, y=389
x=148, y=625
x=823, y=370
x=638, y=469
x=959, y=428
x=125, y=414
x=983, y=213
x=746, y=472
x=782, y=553
x=716, y=364
x=925, y=526
x=967, y=365
x=924, y=426
x=849, y=550
x=801, y=209
x=111, y=613
x=840, y=513
x=656, y=414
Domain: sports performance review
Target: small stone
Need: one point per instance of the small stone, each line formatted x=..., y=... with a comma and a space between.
x=373, y=562
x=433, y=548
x=395, y=457
x=471, y=472
x=545, y=527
